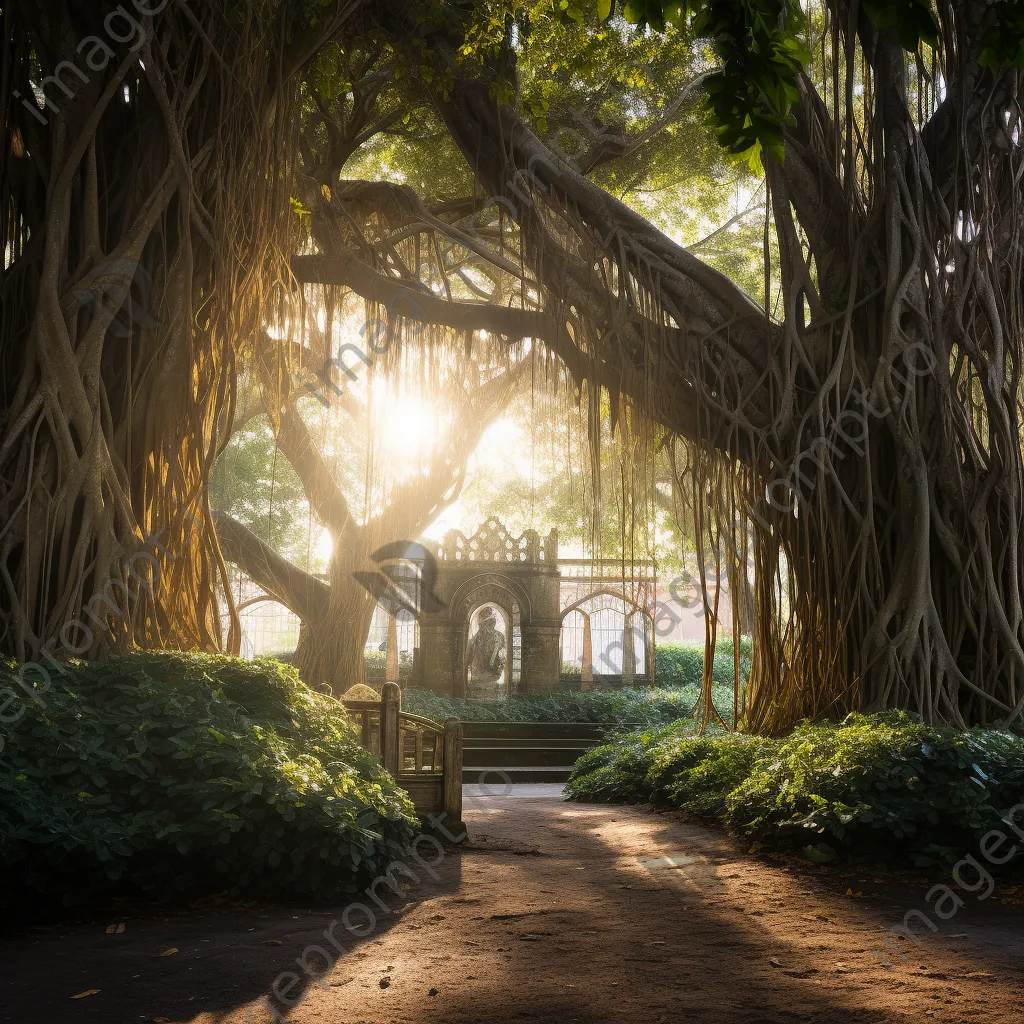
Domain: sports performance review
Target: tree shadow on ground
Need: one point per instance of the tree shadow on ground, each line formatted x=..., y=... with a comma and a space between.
x=552, y=912
x=223, y=958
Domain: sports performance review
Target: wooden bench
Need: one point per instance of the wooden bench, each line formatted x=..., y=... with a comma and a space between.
x=424, y=756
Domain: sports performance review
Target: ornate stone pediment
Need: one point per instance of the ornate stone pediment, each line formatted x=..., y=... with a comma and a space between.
x=492, y=542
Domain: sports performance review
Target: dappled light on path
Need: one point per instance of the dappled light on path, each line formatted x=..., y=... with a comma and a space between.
x=551, y=911
x=591, y=913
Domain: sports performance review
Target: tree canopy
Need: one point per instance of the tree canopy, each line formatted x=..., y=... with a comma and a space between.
x=778, y=244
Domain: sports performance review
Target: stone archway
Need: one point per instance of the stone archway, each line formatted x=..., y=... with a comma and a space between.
x=489, y=659
x=481, y=591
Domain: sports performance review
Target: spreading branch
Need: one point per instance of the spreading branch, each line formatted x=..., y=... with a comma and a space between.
x=303, y=593
x=405, y=300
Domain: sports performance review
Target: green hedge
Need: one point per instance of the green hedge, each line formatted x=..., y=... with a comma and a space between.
x=646, y=706
x=375, y=663
x=876, y=789
x=166, y=774
x=681, y=663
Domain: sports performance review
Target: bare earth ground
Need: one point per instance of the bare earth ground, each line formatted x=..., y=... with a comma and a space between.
x=552, y=912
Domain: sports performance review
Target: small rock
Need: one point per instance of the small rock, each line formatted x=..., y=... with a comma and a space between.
x=432, y=992
x=384, y=982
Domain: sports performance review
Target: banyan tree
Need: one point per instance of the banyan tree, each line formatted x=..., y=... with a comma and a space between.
x=146, y=158
x=863, y=431
x=854, y=425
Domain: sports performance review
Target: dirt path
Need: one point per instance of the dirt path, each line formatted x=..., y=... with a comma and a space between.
x=553, y=912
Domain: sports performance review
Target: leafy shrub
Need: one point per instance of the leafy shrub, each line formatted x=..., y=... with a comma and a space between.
x=697, y=774
x=671, y=765
x=678, y=663
x=617, y=771
x=376, y=664
x=681, y=662
x=648, y=706
x=876, y=788
x=172, y=773
x=881, y=785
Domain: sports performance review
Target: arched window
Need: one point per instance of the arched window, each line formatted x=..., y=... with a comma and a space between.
x=610, y=616
x=376, y=647
x=268, y=628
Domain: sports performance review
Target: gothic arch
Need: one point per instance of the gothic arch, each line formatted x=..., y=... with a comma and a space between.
x=632, y=607
x=490, y=588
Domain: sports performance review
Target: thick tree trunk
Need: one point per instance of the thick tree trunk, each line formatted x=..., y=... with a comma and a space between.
x=332, y=640
x=329, y=654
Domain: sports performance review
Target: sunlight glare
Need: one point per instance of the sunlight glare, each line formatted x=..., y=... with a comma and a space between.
x=408, y=426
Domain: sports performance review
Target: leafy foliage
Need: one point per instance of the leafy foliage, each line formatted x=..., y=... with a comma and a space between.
x=876, y=788
x=881, y=785
x=648, y=706
x=681, y=663
x=166, y=774
x=617, y=772
x=375, y=664
x=255, y=484
x=758, y=44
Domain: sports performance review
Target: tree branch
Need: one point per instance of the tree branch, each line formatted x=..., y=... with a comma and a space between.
x=402, y=299
x=721, y=335
x=303, y=593
x=325, y=496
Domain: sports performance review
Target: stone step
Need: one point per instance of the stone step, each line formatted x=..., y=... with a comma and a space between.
x=526, y=751
x=515, y=742
x=539, y=730
x=522, y=756
x=493, y=778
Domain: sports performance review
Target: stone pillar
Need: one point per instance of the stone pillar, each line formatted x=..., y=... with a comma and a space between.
x=390, y=706
x=628, y=652
x=542, y=656
x=587, y=672
x=391, y=669
x=437, y=641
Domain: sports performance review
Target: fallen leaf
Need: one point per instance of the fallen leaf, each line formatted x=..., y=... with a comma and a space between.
x=170, y=952
x=87, y=992
x=115, y=929
x=272, y=942
x=775, y=963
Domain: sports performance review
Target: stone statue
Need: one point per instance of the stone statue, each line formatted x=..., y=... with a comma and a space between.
x=485, y=658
